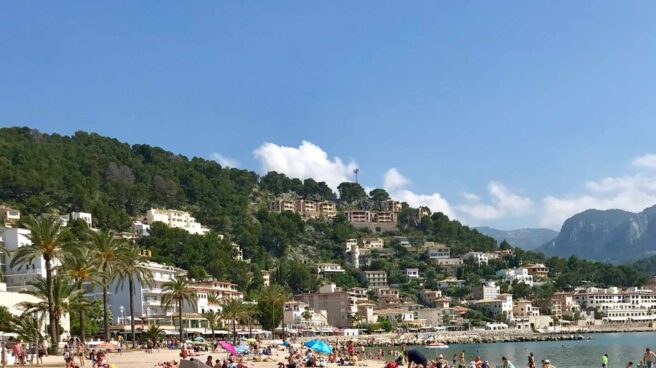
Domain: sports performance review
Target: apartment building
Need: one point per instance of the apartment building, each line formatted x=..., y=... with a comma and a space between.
x=359, y=293
x=430, y=296
x=175, y=219
x=350, y=243
x=359, y=216
x=9, y=215
x=538, y=271
x=388, y=293
x=327, y=209
x=84, y=216
x=211, y=295
x=327, y=268
x=373, y=243
x=523, y=309
x=437, y=250
x=376, y=279
x=339, y=306
x=563, y=305
x=147, y=300
x=516, y=274
x=631, y=304
x=385, y=217
x=20, y=277
x=501, y=306
x=479, y=258
x=412, y=273
x=391, y=205
x=140, y=229
x=305, y=207
x=281, y=205
x=299, y=315
x=450, y=282
x=488, y=290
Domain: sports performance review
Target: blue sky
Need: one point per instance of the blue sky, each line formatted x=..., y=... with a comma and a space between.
x=511, y=114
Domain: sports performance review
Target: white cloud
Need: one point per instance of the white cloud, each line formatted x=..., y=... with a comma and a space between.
x=648, y=160
x=629, y=193
x=504, y=203
x=223, y=160
x=394, y=182
x=305, y=161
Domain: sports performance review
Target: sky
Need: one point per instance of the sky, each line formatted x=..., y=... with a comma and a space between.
x=509, y=114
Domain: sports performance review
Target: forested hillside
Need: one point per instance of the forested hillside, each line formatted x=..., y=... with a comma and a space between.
x=117, y=182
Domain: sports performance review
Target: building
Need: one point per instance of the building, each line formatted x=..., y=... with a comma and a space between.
x=388, y=293
x=538, y=271
x=359, y=216
x=433, y=317
x=449, y=264
x=450, y=282
x=211, y=295
x=9, y=216
x=523, y=309
x=305, y=207
x=339, y=306
x=617, y=305
x=516, y=274
x=391, y=205
x=373, y=243
x=147, y=299
x=501, y=307
x=327, y=209
x=266, y=278
x=84, y=216
x=402, y=241
x=350, y=243
x=385, y=217
x=376, y=279
x=479, y=258
x=430, y=296
x=412, y=273
x=396, y=315
x=299, y=315
x=140, y=228
x=20, y=277
x=437, y=250
x=281, y=205
x=358, y=293
x=563, y=305
x=328, y=268
x=367, y=311
x=422, y=212
x=488, y=290
x=175, y=219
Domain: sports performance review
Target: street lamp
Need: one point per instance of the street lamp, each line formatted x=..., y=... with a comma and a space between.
x=122, y=309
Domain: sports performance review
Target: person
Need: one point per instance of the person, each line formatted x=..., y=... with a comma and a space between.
x=209, y=361
x=462, y=360
x=441, y=362
x=417, y=358
x=649, y=358
x=507, y=363
x=3, y=355
x=547, y=364
x=79, y=351
x=17, y=350
x=455, y=359
x=184, y=354
x=531, y=360
x=604, y=360
x=630, y=364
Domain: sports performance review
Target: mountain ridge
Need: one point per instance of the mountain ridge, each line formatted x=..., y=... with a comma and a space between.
x=526, y=238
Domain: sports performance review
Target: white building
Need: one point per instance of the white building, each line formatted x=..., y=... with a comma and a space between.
x=140, y=228
x=147, y=299
x=211, y=295
x=19, y=277
x=373, y=243
x=328, y=268
x=479, y=258
x=516, y=274
x=9, y=215
x=376, y=279
x=412, y=273
x=617, y=305
x=299, y=315
x=84, y=216
x=437, y=250
x=176, y=219
x=488, y=290
x=500, y=307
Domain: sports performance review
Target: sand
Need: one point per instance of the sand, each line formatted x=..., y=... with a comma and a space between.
x=139, y=359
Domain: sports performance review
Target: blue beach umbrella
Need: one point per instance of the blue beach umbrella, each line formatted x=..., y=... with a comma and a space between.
x=319, y=346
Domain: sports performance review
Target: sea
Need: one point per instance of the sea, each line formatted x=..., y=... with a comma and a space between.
x=620, y=347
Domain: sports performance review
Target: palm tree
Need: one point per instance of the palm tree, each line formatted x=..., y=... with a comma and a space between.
x=47, y=241
x=133, y=270
x=274, y=297
x=233, y=310
x=250, y=315
x=213, y=320
x=107, y=250
x=179, y=291
x=26, y=327
x=80, y=267
x=63, y=292
x=152, y=334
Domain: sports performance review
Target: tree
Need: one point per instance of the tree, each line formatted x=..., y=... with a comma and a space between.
x=79, y=265
x=213, y=319
x=63, y=292
x=233, y=311
x=153, y=334
x=378, y=196
x=107, y=250
x=505, y=245
x=133, y=270
x=250, y=315
x=47, y=242
x=26, y=327
x=3, y=255
x=178, y=292
x=270, y=303
x=351, y=192
x=520, y=290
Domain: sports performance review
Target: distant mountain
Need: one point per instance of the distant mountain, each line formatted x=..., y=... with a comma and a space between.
x=523, y=238
x=612, y=235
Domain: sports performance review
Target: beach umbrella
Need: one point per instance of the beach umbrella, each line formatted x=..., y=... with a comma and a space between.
x=242, y=348
x=199, y=339
x=228, y=347
x=319, y=346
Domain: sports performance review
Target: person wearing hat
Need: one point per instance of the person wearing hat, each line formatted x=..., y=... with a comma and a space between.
x=547, y=364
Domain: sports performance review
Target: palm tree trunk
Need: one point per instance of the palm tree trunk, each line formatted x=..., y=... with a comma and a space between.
x=105, y=310
x=54, y=339
x=180, y=315
x=131, y=287
x=234, y=332
x=80, y=314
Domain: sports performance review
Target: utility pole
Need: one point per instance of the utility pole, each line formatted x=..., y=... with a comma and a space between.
x=356, y=172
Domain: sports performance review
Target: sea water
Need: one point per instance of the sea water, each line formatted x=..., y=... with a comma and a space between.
x=620, y=347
